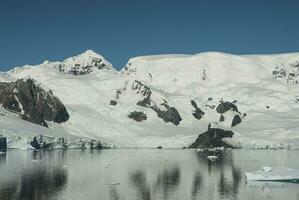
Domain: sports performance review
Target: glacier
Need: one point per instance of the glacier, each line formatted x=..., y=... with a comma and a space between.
x=99, y=99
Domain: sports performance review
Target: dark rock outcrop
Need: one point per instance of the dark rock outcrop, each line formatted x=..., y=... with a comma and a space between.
x=3, y=143
x=163, y=110
x=46, y=143
x=96, y=145
x=222, y=118
x=170, y=114
x=279, y=72
x=197, y=113
x=31, y=102
x=236, y=120
x=212, y=138
x=146, y=102
x=287, y=73
x=113, y=102
x=82, y=69
x=34, y=143
x=226, y=106
x=137, y=116
x=141, y=88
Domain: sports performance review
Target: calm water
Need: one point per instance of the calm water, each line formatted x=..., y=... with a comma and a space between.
x=142, y=175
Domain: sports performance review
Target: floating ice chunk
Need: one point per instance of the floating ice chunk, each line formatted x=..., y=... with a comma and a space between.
x=274, y=174
x=267, y=169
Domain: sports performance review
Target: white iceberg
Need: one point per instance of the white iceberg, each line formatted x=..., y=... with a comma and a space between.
x=274, y=174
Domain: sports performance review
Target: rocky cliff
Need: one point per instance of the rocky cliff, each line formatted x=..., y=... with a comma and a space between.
x=32, y=102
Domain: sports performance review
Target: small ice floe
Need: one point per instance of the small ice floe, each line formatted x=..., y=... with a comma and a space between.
x=199, y=150
x=212, y=158
x=274, y=174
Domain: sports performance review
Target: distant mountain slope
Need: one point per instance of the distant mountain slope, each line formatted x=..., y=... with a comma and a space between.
x=167, y=100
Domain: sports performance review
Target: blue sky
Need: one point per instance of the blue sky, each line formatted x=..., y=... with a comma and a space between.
x=32, y=31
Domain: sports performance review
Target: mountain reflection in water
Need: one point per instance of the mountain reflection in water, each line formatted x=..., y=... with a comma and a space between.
x=32, y=182
x=141, y=174
x=229, y=176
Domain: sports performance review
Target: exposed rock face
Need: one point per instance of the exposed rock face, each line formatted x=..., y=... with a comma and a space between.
x=226, y=109
x=82, y=64
x=33, y=103
x=197, y=113
x=226, y=106
x=146, y=102
x=3, y=143
x=137, y=116
x=145, y=91
x=141, y=88
x=45, y=142
x=288, y=72
x=212, y=138
x=167, y=113
x=170, y=114
x=79, y=69
x=237, y=120
x=34, y=143
x=163, y=110
x=222, y=118
x=113, y=102
x=96, y=145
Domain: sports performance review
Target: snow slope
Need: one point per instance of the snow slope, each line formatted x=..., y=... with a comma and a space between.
x=270, y=102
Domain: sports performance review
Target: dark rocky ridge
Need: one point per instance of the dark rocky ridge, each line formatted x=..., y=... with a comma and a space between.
x=289, y=73
x=197, y=113
x=141, y=88
x=223, y=107
x=163, y=110
x=236, y=120
x=31, y=102
x=212, y=138
x=226, y=106
x=79, y=69
x=168, y=114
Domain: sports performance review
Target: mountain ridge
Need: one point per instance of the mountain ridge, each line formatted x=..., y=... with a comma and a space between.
x=190, y=88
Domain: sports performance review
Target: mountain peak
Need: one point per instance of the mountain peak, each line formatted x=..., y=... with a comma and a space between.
x=86, y=56
x=81, y=64
x=85, y=63
x=90, y=53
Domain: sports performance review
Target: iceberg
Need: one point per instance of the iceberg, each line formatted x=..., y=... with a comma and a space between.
x=274, y=174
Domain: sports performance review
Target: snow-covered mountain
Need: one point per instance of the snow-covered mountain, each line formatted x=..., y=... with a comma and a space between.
x=167, y=100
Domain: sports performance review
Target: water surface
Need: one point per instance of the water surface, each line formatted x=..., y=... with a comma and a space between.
x=142, y=174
